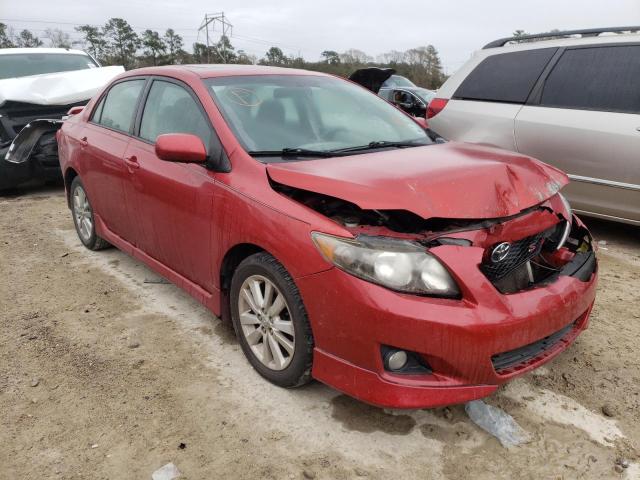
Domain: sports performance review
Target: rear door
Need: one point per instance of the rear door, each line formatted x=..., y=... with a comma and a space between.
x=585, y=120
x=484, y=107
x=104, y=143
x=173, y=201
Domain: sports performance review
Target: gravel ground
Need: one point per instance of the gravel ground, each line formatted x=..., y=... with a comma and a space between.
x=108, y=373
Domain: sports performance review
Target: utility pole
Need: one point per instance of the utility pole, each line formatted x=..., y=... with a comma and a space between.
x=227, y=31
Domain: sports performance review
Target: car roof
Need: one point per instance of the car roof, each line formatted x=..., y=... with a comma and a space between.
x=67, y=51
x=221, y=70
x=563, y=42
x=455, y=80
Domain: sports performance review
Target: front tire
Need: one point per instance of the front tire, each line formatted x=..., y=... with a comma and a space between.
x=271, y=322
x=83, y=217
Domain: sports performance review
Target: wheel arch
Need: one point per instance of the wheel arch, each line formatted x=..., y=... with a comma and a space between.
x=69, y=175
x=232, y=258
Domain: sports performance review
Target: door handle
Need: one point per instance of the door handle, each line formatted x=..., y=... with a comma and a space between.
x=84, y=142
x=132, y=162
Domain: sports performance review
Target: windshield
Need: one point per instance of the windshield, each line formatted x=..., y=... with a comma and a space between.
x=398, y=81
x=24, y=64
x=322, y=114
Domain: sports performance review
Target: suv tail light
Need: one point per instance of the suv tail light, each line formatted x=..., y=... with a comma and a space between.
x=436, y=106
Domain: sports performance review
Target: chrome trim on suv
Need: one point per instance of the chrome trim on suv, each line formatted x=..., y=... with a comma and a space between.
x=607, y=183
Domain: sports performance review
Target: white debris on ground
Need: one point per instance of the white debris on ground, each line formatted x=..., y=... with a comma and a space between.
x=497, y=422
x=166, y=472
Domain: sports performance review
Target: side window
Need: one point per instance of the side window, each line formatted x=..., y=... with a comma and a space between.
x=120, y=105
x=416, y=101
x=171, y=109
x=600, y=78
x=97, y=113
x=505, y=77
x=385, y=93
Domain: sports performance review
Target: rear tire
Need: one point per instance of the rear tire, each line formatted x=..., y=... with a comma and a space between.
x=83, y=217
x=271, y=322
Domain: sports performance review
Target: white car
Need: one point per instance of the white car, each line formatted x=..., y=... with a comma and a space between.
x=38, y=87
x=570, y=99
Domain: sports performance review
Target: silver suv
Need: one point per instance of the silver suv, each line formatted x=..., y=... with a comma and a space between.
x=571, y=99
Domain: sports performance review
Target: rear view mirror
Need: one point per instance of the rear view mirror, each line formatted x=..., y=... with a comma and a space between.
x=181, y=147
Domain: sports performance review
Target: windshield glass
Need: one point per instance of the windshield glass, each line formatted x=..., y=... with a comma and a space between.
x=24, y=64
x=397, y=81
x=276, y=112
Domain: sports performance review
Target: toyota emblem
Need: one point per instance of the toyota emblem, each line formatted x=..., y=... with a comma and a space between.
x=500, y=252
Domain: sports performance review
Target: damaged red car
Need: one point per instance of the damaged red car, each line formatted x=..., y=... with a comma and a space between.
x=346, y=242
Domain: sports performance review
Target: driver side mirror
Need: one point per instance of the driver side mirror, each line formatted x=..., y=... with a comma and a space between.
x=181, y=147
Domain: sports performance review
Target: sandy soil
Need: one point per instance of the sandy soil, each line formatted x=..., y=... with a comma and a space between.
x=104, y=375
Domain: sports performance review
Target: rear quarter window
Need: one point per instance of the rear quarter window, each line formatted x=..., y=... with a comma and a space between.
x=505, y=77
x=599, y=78
x=118, y=107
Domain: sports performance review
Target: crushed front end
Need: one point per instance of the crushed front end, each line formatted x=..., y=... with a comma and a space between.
x=525, y=288
x=28, y=147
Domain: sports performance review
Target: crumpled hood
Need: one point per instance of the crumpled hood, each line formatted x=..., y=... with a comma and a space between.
x=60, y=88
x=451, y=180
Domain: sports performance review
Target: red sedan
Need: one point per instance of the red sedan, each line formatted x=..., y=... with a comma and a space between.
x=345, y=241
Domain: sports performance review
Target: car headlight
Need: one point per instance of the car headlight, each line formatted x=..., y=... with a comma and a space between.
x=567, y=227
x=396, y=264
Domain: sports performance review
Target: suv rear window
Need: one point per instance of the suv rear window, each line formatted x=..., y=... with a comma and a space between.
x=600, y=78
x=505, y=77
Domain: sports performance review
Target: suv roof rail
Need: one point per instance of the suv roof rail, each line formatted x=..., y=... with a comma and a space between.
x=589, y=32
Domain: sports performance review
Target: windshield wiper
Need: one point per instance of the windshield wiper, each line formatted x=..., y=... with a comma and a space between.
x=380, y=144
x=291, y=152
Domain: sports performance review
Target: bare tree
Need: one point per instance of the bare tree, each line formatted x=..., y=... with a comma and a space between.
x=355, y=56
x=57, y=38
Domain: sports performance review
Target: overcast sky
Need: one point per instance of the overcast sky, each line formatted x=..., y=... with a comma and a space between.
x=455, y=28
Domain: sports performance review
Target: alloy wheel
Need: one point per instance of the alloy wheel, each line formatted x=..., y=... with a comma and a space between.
x=266, y=322
x=82, y=214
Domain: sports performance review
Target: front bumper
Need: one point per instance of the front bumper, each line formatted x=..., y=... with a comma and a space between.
x=458, y=338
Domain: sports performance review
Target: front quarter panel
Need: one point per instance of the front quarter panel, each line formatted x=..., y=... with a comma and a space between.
x=245, y=220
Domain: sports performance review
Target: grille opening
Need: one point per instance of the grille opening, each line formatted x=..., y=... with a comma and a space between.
x=535, y=260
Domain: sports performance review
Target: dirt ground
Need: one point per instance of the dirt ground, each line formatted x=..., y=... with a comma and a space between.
x=105, y=373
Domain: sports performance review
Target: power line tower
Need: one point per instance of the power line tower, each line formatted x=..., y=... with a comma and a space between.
x=209, y=23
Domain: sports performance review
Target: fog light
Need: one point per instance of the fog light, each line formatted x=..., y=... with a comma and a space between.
x=396, y=360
